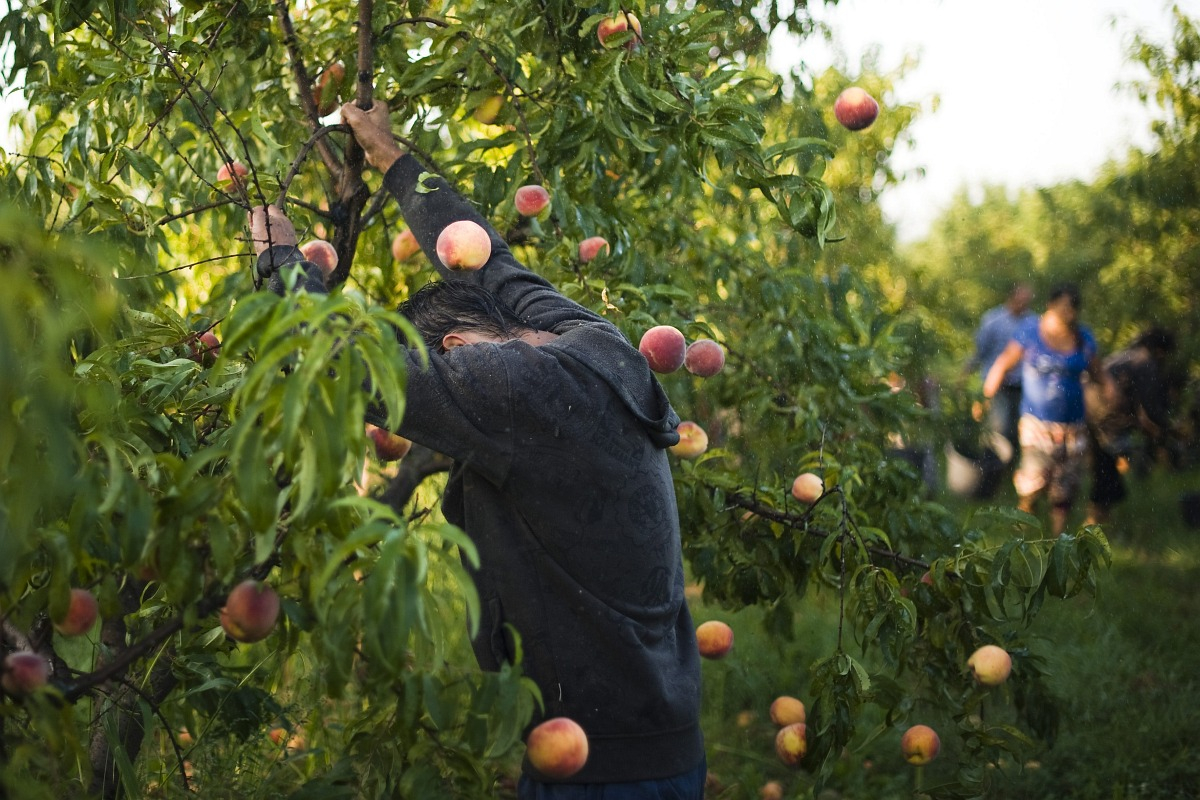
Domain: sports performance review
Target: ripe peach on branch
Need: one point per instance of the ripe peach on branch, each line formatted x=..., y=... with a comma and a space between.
x=693, y=440
x=664, y=348
x=714, y=639
x=82, y=613
x=251, y=611
x=464, y=244
x=557, y=748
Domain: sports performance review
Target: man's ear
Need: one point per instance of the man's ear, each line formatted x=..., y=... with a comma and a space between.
x=453, y=340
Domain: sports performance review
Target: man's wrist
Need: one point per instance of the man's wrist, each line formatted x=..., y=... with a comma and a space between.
x=382, y=158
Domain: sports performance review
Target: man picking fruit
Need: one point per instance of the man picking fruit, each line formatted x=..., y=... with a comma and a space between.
x=558, y=431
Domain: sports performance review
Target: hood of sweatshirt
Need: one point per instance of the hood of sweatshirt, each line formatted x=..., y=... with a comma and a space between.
x=604, y=351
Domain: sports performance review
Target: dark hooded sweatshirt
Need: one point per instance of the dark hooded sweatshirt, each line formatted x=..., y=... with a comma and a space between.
x=562, y=481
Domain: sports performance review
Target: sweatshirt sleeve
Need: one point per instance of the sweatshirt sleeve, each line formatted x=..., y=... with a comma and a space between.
x=435, y=205
x=461, y=405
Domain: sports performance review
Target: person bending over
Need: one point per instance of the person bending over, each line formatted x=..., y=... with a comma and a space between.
x=558, y=431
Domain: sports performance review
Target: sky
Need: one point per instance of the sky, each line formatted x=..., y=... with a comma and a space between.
x=1028, y=89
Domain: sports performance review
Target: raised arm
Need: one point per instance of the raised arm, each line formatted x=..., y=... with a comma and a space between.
x=430, y=204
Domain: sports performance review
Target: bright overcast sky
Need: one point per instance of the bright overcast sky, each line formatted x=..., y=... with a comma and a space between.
x=1028, y=88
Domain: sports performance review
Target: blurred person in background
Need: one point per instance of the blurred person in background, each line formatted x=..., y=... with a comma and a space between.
x=1053, y=352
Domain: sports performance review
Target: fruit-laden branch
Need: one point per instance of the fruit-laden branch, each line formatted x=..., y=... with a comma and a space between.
x=304, y=85
x=800, y=522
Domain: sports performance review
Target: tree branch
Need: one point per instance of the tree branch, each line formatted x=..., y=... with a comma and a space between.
x=304, y=86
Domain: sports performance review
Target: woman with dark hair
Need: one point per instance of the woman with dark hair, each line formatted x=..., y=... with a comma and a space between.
x=1054, y=351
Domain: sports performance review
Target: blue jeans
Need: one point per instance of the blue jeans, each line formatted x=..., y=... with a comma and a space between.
x=687, y=786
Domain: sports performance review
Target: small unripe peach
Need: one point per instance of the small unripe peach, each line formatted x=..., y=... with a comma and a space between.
x=714, y=639
x=920, y=744
x=321, y=253
x=807, y=488
x=590, y=247
x=693, y=441
x=791, y=743
x=664, y=348
x=704, y=358
x=464, y=244
x=82, y=612
x=24, y=672
x=531, y=200
x=557, y=748
x=232, y=175
x=404, y=245
x=787, y=710
x=990, y=665
x=250, y=611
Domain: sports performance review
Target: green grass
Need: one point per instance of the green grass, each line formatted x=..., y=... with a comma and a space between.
x=1124, y=670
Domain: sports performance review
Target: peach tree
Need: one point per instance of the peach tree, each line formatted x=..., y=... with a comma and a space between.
x=143, y=463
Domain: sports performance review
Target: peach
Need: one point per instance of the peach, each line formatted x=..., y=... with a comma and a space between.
x=321, y=253
x=920, y=745
x=990, y=665
x=24, y=672
x=557, y=748
x=531, y=200
x=204, y=349
x=404, y=245
x=704, y=358
x=487, y=111
x=787, y=710
x=388, y=446
x=231, y=176
x=791, y=743
x=664, y=348
x=807, y=488
x=714, y=638
x=619, y=24
x=855, y=109
x=590, y=247
x=693, y=441
x=250, y=611
x=82, y=612
x=325, y=92
x=464, y=245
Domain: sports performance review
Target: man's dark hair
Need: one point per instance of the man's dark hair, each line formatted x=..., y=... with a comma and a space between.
x=1156, y=339
x=451, y=306
x=1068, y=290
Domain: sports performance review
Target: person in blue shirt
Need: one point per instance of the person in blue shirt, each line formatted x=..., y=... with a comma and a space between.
x=995, y=332
x=1053, y=352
